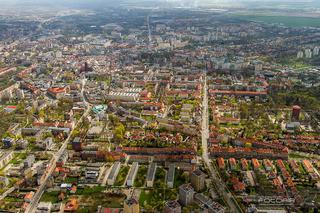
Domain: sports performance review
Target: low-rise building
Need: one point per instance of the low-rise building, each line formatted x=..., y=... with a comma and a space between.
x=151, y=174
x=170, y=176
x=131, y=205
x=113, y=173
x=132, y=173
x=44, y=207
x=5, y=157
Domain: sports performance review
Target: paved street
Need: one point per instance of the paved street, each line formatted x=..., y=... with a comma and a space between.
x=36, y=198
x=222, y=189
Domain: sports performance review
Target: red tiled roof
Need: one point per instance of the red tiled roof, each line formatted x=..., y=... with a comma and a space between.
x=11, y=107
x=56, y=90
x=230, y=92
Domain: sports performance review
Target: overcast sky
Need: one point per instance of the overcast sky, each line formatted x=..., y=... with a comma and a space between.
x=75, y=3
x=133, y=1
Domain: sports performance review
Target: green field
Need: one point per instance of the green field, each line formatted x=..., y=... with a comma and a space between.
x=160, y=178
x=154, y=199
x=50, y=197
x=290, y=21
x=141, y=176
x=122, y=175
x=180, y=178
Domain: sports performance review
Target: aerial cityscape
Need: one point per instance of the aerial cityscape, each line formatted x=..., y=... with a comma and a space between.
x=200, y=106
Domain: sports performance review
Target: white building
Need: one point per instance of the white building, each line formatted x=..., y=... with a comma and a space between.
x=308, y=53
x=316, y=50
x=132, y=173
x=5, y=158
x=44, y=207
x=151, y=174
x=122, y=96
x=113, y=173
x=300, y=54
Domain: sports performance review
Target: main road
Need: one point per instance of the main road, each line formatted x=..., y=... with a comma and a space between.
x=222, y=190
x=36, y=198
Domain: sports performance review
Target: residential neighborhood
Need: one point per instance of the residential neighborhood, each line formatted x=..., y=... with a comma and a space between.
x=180, y=109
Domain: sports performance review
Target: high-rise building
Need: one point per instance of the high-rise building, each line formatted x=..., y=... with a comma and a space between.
x=316, y=50
x=300, y=54
x=186, y=193
x=197, y=179
x=170, y=176
x=131, y=205
x=172, y=206
x=85, y=67
x=258, y=67
x=296, y=112
x=308, y=53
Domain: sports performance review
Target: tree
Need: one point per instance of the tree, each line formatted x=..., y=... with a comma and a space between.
x=244, y=111
x=19, y=136
x=119, y=132
x=42, y=113
x=248, y=145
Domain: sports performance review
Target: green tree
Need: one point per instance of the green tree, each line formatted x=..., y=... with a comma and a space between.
x=119, y=132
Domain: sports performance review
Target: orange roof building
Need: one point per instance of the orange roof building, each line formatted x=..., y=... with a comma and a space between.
x=71, y=206
x=307, y=165
x=255, y=163
x=221, y=163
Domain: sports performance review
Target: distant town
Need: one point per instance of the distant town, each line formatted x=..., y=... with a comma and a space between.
x=151, y=110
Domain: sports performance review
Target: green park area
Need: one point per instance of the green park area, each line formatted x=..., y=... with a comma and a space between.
x=11, y=203
x=160, y=178
x=289, y=21
x=122, y=175
x=7, y=79
x=50, y=197
x=180, y=178
x=90, y=202
x=89, y=198
x=154, y=199
x=141, y=176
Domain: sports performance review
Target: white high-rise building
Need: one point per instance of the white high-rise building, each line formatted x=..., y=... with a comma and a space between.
x=300, y=54
x=316, y=50
x=308, y=53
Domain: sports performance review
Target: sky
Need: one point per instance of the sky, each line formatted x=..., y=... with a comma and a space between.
x=97, y=3
x=139, y=1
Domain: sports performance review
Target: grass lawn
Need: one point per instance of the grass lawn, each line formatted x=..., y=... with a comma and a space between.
x=154, y=199
x=90, y=190
x=71, y=180
x=309, y=193
x=265, y=186
x=6, y=80
x=297, y=155
x=12, y=199
x=141, y=176
x=160, y=177
x=90, y=202
x=50, y=197
x=10, y=206
x=122, y=175
x=180, y=178
x=17, y=158
x=90, y=198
